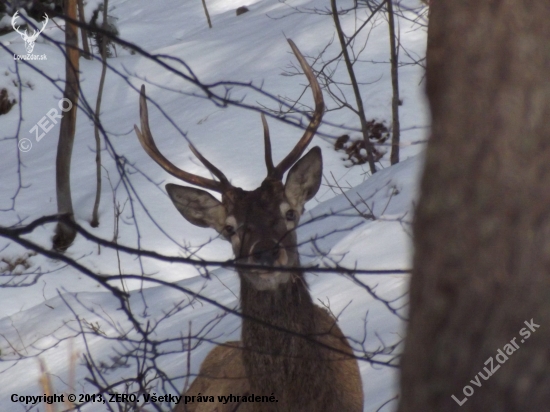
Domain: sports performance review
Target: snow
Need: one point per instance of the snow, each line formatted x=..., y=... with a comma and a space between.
x=40, y=318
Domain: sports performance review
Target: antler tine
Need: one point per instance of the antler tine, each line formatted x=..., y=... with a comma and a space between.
x=267, y=144
x=44, y=23
x=302, y=144
x=147, y=142
x=213, y=169
x=13, y=20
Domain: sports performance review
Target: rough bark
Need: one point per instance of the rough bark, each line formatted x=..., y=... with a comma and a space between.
x=482, y=227
x=65, y=234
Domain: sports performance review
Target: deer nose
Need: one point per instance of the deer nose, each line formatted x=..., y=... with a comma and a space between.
x=265, y=252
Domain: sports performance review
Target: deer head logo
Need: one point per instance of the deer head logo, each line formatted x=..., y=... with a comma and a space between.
x=29, y=40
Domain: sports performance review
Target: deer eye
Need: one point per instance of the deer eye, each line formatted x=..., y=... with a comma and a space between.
x=229, y=230
x=290, y=215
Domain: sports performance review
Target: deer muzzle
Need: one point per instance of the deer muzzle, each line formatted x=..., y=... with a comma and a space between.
x=270, y=254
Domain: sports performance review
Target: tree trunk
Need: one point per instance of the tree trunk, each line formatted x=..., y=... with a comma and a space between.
x=85, y=46
x=65, y=235
x=97, y=122
x=396, y=101
x=482, y=227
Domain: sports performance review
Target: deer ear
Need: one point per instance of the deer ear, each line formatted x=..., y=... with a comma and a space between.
x=304, y=179
x=197, y=206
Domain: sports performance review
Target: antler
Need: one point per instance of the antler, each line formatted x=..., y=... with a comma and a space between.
x=222, y=185
x=267, y=145
x=278, y=171
x=146, y=139
x=35, y=34
x=13, y=19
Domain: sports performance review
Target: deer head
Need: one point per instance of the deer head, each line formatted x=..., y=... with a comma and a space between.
x=259, y=224
x=29, y=40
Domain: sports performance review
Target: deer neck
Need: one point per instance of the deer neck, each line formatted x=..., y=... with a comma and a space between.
x=289, y=307
x=279, y=360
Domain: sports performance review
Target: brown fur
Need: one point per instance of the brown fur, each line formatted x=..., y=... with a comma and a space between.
x=302, y=374
x=222, y=373
x=335, y=386
x=287, y=357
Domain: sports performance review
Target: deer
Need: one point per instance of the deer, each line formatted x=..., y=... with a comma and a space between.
x=291, y=349
x=29, y=40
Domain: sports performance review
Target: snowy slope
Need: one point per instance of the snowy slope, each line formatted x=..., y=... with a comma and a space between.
x=250, y=48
